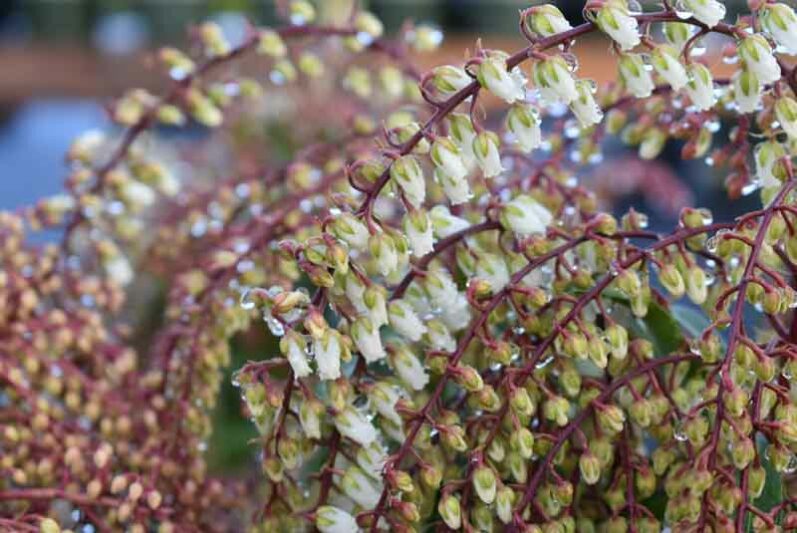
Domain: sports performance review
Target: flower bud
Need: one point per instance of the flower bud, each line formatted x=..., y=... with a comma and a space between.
x=557, y=410
x=504, y=499
x=545, y=20
x=696, y=287
x=746, y=90
x=614, y=19
x=635, y=75
x=329, y=519
x=522, y=441
x=469, y=378
x=590, y=468
x=449, y=79
x=786, y=112
x=665, y=59
x=611, y=419
x=354, y=425
x=485, y=149
x=709, y=12
x=523, y=121
x=525, y=216
x=493, y=75
x=780, y=21
x=450, y=511
x=271, y=44
x=552, y=77
x=756, y=54
x=407, y=173
x=484, y=482
x=701, y=87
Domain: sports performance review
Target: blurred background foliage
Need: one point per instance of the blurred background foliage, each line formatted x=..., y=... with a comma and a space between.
x=63, y=59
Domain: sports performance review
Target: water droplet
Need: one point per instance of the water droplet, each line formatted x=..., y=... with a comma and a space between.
x=246, y=299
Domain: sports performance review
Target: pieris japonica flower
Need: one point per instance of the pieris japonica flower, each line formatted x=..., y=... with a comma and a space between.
x=678, y=33
x=419, y=232
x=585, y=108
x=328, y=350
x=383, y=397
x=546, y=20
x=353, y=424
x=408, y=367
x=441, y=289
x=360, y=488
x=374, y=300
x=652, y=144
x=484, y=483
x=446, y=156
x=439, y=337
x=665, y=60
x=457, y=190
x=310, y=418
x=463, y=133
x=709, y=12
x=365, y=334
x=493, y=75
x=767, y=157
x=780, y=21
x=701, y=87
x=404, y=320
x=485, y=147
x=613, y=18
x=407, y=172
x=329, y=519
x=553, y=79
x=457, y=315
x=635, y=75
x=492, y=268
x=449, y=79
x=786, y=111
x=445, y=223
x=504, y=499
x=746, y=91
x=371, y=459
x=351, y=230
x=524, y=215
x=383, y=248
x=354, y=289
x=523, y=121
x=450, y=511
x=757, y=56
x=294, y=348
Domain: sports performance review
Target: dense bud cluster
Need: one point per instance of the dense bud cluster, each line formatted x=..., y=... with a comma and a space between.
x=464, y=340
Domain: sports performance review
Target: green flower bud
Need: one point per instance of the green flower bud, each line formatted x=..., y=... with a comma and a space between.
x=522, y=441
x=557, y=409
x=696, y=287
x=450, y=511
x=611, y=419
x=484, y=483
x=590, y=468
x=672, y=280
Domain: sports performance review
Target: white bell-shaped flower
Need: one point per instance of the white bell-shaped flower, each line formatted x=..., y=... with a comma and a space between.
x=525, y=215
x=665, y=60
x=523, y=121
x=635, y=75
x=366, y=336
x=701, y=87
x=615, y=20
x=780, y=21
x=757, y=56
x=485, y=147
x=709, y=12
x=405, y=321
x=353, y=424
x=329, y=519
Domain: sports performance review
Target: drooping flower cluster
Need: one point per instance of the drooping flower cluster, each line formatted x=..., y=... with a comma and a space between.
x=462, y=339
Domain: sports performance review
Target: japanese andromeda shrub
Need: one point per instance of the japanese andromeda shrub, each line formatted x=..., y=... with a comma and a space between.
x=465, y=341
